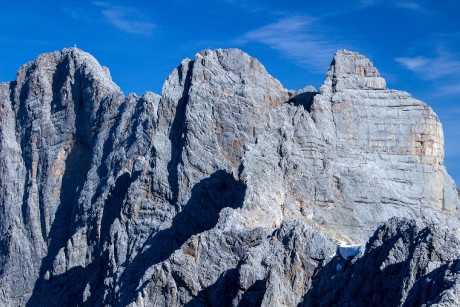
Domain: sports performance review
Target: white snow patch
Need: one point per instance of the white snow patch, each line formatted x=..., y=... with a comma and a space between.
x=347, y=251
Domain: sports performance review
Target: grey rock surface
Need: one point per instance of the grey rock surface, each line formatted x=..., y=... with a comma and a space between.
x=227, y=189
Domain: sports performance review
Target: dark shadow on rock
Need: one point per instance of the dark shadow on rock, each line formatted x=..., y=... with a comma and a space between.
x=254, y=295
x=427, y=289
x=24, y=128
x=225, y=290
x=12, y=89
x=113, y=207
x=114, y=204
x=221, y=293
x=67, y=289
x=107, y=148
x=178, y=132
x=102, y=267
x=60, y=76
x=148, y=125
x=303, y=99
x=201, y=213
x=77, y=165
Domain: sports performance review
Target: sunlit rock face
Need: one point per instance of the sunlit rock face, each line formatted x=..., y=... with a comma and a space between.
x=226, y=189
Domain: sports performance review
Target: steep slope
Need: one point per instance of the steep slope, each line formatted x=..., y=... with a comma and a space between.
x=389, y=148
x=227, y=188
x=49, y=125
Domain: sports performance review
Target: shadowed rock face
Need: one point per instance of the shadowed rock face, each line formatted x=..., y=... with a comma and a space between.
x=405, y=264
x=225, y=190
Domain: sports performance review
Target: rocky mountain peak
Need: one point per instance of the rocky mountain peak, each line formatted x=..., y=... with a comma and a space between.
x=232, y=59
x=237, y=68
x=62, y=93
x=352, y=63
x=350, y=71
x=54, y=72
x=225, y=190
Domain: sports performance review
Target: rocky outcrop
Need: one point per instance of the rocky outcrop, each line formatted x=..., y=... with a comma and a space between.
x=406, y=263
x=227, y=188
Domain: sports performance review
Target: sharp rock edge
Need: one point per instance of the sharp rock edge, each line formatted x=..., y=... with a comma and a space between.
x=226, y=189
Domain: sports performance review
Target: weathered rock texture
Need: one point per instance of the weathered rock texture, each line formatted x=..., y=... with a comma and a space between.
x=227, y=189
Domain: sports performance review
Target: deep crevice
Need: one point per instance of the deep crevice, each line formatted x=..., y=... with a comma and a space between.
x=60, y=77
x=23, y=124
x=103, y=170
x=178, y=133
x=113, y=205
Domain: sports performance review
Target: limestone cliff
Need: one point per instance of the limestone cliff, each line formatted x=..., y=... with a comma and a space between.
x=227, y=189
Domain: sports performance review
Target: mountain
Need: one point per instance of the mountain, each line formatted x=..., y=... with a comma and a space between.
x=227, y=189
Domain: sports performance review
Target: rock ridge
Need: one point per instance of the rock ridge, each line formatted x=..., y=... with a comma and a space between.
x=225, y=189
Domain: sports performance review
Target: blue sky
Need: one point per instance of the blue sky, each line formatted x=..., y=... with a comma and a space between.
x=414, y=44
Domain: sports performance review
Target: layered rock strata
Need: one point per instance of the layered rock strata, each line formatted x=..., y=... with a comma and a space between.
x=226, y=189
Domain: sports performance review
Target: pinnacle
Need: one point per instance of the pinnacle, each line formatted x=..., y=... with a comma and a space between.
x=352, y=63
x=351, y=70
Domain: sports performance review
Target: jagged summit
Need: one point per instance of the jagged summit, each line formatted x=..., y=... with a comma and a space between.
x=227, y=189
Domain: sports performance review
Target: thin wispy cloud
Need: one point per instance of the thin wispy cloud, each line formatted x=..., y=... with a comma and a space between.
x=442, y=72
x=394, y=3
x=126, y=19
x=367, y=3
x=448, y=90
x=456, y=110
x=16, y=40
x=408, y=5
x=249, y=6
x=79, y=14
x=434, y=68
x=298, y=39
